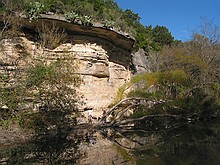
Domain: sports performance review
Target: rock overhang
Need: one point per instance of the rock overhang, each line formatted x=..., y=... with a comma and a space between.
x=119, y=40
x=103, y=65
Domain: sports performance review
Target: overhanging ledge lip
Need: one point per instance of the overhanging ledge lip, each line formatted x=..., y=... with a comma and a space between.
x=97, y=30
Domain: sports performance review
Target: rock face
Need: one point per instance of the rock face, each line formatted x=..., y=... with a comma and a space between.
x=118, y=39
x=101, y=76
x=104, y=58
x=140, y=61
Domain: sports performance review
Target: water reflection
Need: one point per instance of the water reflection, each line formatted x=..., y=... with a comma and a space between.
x=47, y=149
x=190, y=144
x=197, y=144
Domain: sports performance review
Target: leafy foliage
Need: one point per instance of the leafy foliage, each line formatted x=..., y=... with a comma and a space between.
x=71, y=16
x=55, y=91
x=34, y=9
x=38, y=74
x=88, y=11
x=162, y=36
x=44, y=99
x=178, y=93
x=185, y=73
x=184, y=83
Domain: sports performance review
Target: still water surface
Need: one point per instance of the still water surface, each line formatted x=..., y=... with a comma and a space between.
x=190, y=144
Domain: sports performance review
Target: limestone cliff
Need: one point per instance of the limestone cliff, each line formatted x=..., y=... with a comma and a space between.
x=104, y=57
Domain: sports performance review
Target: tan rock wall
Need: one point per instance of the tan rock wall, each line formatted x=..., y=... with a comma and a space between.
x=99, y=65
x=101, y=77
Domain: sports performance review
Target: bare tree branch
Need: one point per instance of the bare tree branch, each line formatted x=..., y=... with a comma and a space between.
x=130, y=100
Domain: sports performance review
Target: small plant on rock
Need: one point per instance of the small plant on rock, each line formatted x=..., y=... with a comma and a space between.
x=72, y=17
x=51, y=36
x=86, y=20
x=108, y=24
x=34, y=10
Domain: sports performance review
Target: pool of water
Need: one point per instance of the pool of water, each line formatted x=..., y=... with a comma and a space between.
x=188, y=144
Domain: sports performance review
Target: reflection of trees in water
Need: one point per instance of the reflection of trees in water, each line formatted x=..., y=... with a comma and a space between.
x=145, y=135
x=189, y=144
x=192, y=143
x=48, y=149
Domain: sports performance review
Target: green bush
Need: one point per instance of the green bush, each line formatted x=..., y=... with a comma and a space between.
x=34, y=9
x=108, y=24
x=53, y=87
x=86, y=20
x=71, y=16
x=37, y=74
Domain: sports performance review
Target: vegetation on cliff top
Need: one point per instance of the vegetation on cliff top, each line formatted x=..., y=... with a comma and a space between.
x=88, y=12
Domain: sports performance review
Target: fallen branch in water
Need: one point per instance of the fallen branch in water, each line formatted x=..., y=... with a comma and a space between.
x=129, y=101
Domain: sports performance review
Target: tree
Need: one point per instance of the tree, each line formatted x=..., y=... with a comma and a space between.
x=131, y=18
x=205, y=44
x=53, y=88
x=98, y=5
x=111, y=4
x=144, y=37
x=162, y=36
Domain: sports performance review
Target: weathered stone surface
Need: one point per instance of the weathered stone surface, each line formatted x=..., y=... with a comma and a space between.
x=140, y=61
x=100, y=92
x=118, y=39
x=100, y=65
x=104, y=56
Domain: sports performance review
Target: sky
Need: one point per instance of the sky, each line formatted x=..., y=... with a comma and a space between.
x=181, y=17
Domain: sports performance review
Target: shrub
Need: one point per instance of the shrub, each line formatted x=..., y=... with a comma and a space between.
x=108, y=24
x=10, y=22
x=54, y=87
x=86, y=20
x=37, y=74
x=34, y=9
x=71, y=16
x=50, y=35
